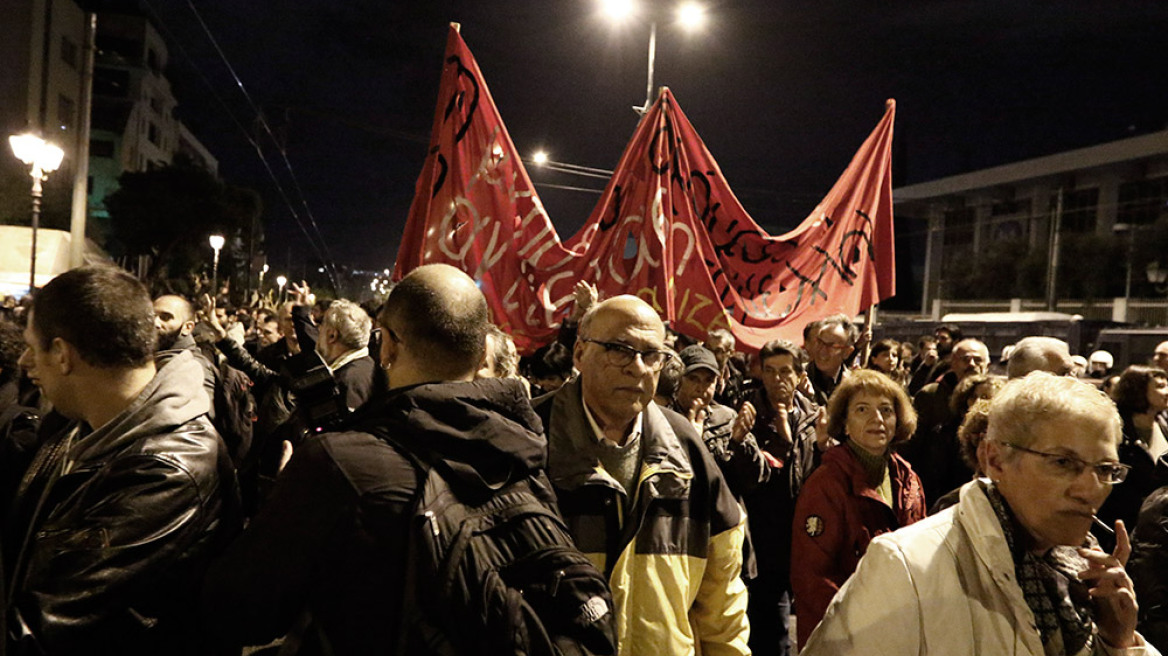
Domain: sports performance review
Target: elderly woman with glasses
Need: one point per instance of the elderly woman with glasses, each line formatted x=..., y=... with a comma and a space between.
x=861, y=489
x=1011, y=569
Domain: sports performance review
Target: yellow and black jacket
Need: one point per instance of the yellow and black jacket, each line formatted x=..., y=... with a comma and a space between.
x=674, y=559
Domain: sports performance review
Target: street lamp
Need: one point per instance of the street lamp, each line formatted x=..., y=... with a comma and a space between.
x=691, y=16
x=1157, y=276
x=44, y=158
x=281, y=281
x=261, y=285
x=217, y=242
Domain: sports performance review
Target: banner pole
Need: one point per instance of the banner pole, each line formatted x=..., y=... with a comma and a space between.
x=869, y=326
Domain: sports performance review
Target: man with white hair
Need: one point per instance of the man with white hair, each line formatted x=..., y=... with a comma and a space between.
x=343, y=345
x=1040, y=354
x=1011, y=568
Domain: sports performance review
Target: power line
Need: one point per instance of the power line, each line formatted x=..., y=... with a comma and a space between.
x=321, y=249
x=243, y=130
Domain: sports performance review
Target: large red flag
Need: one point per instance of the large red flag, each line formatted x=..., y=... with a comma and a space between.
x=667, y=228
x=475, y=208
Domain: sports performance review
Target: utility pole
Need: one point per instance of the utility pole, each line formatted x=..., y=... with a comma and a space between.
x=1053, y=252
x=81, y=165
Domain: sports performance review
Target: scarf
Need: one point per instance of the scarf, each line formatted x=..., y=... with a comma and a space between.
x=1059, y=600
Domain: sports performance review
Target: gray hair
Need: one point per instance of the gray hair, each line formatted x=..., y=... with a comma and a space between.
x=504, y=353
x=1038, y=354
x=1024, y=404
x=351, y=321
x=851, y=330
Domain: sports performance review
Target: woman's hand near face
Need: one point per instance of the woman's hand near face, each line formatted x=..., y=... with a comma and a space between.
x=1116, y=610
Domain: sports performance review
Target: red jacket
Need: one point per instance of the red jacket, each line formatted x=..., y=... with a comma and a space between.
x=836, y=516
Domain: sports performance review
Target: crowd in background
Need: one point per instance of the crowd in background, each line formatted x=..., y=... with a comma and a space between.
x=820, y=447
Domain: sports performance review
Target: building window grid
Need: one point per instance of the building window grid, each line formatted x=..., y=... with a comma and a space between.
x=1080, y=209
x=69, y=52
x=959, y=227
x=1142, y=201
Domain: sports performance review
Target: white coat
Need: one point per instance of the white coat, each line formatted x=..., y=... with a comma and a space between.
x=944, y=586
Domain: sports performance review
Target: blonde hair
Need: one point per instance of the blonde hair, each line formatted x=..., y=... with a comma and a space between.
x=1024, y=404
x=871, y=382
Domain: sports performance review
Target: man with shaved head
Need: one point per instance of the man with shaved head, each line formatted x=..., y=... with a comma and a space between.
x=333, y=538
x=642, y=494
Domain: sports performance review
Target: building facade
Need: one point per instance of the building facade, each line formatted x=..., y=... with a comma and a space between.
x=1095, y=220
x=133, y=123
x=42, y=43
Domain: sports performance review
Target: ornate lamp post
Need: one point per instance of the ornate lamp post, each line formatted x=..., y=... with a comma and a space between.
x=44, y=158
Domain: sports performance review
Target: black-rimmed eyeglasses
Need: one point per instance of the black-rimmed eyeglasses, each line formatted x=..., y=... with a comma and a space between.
x=621, y=355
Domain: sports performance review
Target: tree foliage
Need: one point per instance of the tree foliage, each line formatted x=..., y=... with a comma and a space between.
x=168, y=212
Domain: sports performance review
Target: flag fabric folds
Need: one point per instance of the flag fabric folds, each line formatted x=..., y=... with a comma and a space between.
x=667, y=228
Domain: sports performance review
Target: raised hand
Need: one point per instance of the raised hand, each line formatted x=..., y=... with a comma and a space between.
x=586, y=296
x=744, y=423
x=208, y=310
x=1116, y=610
x=301, y=294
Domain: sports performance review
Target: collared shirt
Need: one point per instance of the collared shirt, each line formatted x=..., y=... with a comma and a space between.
x=348, y=357
x=621, y=461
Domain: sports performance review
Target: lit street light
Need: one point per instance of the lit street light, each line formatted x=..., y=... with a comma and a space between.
x=217, y=242
x=540, y=157
x=690, y=15
x=281, y=281
x=261, y=285
x=44, y=158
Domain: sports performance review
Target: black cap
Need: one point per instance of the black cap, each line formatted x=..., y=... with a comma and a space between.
x=698, y=357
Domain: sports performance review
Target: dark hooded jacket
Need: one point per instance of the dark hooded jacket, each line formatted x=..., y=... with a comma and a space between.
x=325, y=557
x=112, y=527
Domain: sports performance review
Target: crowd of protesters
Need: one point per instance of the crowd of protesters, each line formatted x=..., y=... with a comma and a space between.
x=180, y=476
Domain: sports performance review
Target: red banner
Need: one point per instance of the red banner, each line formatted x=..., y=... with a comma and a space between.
x=668, y=228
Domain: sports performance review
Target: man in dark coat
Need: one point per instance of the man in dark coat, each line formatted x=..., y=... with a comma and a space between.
x=117, y=515
x=325, y=558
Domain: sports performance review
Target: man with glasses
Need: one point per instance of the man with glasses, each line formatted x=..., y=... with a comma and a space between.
x=934, y=449
x=833, y=345
x=642, y=495
x=1011, y=568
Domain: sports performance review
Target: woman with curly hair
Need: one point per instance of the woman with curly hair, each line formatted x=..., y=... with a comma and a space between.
x=861, y=489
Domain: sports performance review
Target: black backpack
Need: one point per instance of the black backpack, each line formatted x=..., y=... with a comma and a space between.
x=498, y=574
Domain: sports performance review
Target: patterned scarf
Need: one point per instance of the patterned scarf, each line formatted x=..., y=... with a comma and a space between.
x=1059, y=600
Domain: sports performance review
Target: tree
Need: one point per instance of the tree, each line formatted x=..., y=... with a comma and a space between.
x=168, y=213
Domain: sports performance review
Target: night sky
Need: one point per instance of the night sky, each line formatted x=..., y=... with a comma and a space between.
x=782, y=92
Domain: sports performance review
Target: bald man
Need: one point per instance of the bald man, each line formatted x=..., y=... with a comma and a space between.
x=641, y=493
x=333, y=537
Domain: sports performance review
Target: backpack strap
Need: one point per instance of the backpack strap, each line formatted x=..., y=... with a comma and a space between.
x=413, y=622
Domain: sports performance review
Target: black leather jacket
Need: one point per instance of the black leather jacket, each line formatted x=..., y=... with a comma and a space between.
x=112, y=529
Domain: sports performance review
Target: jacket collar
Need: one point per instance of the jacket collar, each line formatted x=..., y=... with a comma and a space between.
x=984, y=532
x=897, y=471
x=573, y=458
